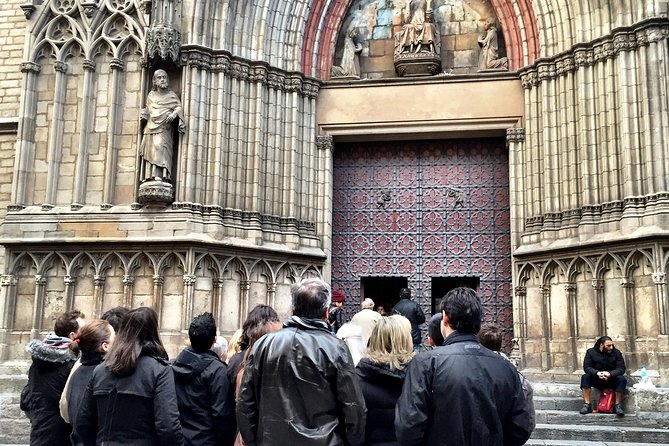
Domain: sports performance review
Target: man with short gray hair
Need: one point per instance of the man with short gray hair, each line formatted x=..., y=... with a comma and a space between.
x=299, y=385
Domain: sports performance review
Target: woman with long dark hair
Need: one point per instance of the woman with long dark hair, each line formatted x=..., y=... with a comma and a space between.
x=93, y=341
x=130, y=398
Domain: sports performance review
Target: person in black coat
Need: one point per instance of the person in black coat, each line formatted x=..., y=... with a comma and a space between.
x=412, y=311
x=204, y=394
x=52, y=362
x=93, y=341
x=604, y=368
x=461, y=393
x=130, y=398
x=381, y=371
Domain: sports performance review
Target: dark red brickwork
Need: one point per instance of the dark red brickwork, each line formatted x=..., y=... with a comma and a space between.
x=422, y=209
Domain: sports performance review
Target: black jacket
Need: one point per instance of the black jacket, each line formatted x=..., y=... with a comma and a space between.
x=77, y=388
x=381, y=388
x=139, y=409
x=596, y=361
x=205, y=399
x=52, y=362
x=412, y=311
x=300, y=388
x=461, y=394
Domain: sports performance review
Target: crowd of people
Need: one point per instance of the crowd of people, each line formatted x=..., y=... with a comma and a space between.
x=312, y=379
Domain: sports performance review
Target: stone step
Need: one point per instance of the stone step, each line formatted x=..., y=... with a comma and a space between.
x=582, y=443
x=601, y=419
x=602, y=433
x=565, y=403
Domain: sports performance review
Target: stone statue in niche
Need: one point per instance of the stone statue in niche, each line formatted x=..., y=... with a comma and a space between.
x=163, y=107
x=417, y=44
x=489, y=44
x=350, y=59
x=163, y=110
x=418, y=32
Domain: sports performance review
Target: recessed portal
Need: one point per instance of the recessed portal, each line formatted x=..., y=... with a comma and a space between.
x=383, y=291
x=442, y=285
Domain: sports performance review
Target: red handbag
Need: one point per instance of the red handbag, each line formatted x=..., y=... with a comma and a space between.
x=606, y=400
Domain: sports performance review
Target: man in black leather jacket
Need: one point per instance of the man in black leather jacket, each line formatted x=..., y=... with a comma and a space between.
x=412, y=311
x=604, y=368
x=461, y=394
x=204, y=394
x=299, y=385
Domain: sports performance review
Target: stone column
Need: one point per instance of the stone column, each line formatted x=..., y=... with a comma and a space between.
x=627, y=284
x=128, y=282
x=55, y=136
x=157, y=299
x=271, y=294
x=515, y=138
x=519, y=326
x=8, y=306
x=111, y=152
x=217, y=298
x=69, y=292
x=546, y=359
x=659, y=279
x=244, y=287
x=98, y=294
x=38, y=306
x=81, y=170
x=26, y=133
x=189, y=282
x=570, y=289
x=598, y=285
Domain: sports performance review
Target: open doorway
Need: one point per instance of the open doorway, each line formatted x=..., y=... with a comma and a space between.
x=384, y=291
x=442, y=285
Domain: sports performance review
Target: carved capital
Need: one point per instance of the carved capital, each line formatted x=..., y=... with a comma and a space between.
x=515, y=134
x=271, y=287
x=583, y=57
x=89, y=65
x=99, y=280
x=659, y=278
x=28, y=9
x=570, y=287
x=627, y=282
x=545, y=290
x=529, y=80
x=189, y=279
x=8, y=280
x=40, y=280
x=158, y=280
x=324, y=142
x=128, y=279
x=60, y=66
x=30, y=67
x=520, y=291
x=163, y=43
x=244, y=285
x=218, y=282
x=69, y=280
x=598, y=284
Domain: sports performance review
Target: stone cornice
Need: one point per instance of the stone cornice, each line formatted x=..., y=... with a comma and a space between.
x=250, y=71
x=583, y=55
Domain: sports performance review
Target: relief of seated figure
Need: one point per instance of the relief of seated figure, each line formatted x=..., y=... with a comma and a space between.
x=418, y=33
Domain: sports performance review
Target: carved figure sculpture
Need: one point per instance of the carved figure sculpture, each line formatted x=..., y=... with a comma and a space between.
x=163, y=106
x=350, y=58
x=490, y=48
x=418, y=33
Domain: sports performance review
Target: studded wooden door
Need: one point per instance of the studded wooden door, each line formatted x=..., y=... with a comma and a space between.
x=424, y=209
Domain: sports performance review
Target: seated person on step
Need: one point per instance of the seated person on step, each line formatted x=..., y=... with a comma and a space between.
x=604, y=368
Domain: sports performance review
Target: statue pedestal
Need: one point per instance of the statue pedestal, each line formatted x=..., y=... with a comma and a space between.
x=425, y=63
x=155, y=192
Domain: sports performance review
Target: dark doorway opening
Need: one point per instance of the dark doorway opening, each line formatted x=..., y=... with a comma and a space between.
x=442, y=285
x=384, y=291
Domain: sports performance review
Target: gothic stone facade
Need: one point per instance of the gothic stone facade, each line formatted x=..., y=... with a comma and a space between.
x=583, y=109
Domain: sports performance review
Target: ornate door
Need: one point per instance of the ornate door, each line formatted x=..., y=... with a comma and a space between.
x=424, y=209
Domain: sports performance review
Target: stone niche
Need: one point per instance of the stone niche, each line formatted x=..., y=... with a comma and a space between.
x=460, y=23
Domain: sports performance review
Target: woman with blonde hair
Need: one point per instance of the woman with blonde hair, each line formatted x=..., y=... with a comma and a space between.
x=381, y=372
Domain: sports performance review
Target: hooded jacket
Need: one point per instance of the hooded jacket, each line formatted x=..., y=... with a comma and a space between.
x=381, y=387
x=300, y=388
x=205, y=398
x=52, y=361
x=461, y=394
x=139, y=409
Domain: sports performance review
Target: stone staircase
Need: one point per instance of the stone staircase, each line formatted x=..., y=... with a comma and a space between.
x=646, y=420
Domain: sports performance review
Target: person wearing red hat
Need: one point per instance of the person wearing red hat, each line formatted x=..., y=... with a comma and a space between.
x=337, y=316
